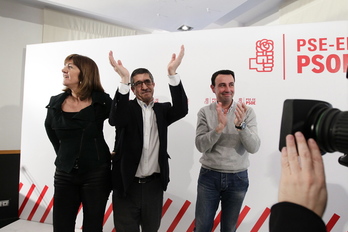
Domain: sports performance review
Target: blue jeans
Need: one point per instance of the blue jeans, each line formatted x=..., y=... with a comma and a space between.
x=213, y=187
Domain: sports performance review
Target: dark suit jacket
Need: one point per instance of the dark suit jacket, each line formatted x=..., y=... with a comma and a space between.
x=290, y=217
x=126, y=116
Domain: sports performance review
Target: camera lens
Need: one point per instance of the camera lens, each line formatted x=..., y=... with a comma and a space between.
x=318, y=120
x=329, y=127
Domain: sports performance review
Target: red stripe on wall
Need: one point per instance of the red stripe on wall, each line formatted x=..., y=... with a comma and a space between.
x=107, y=214
x=79, y=209
x=329, y=226
x=332, y=222
x=191, y=227
x=166, y=206
x=79, y=212
x=217, y=221
x=242, y=215
x=261, y=220
x=179, y=216
x=37, y=203
x=26, y=199
x=47, y=211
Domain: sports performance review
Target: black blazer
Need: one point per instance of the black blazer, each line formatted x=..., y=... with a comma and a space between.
x=80, y=137
x=126, y=116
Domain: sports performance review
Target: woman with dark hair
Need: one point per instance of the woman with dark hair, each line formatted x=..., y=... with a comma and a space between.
x=74, y=125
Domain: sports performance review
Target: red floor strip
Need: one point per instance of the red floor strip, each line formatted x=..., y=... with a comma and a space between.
x=37, y=203
x=47, y=211
x=261, y=220
x=166, y=206
x=20, y=186
x=26, y=199
x=332, y=222
x=107, y=214
x=216, y=221
x=179, y=216
x=242, y=215
x=191, y=227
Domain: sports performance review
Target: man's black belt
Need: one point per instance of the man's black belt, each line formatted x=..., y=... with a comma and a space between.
x=146, y=179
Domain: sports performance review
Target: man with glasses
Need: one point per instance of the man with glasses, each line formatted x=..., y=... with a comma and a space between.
x=140, y=165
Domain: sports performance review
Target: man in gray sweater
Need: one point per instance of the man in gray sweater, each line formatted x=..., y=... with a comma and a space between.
x=226, y=133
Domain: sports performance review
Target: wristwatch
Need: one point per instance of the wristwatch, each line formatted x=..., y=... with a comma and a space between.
x=241, y=126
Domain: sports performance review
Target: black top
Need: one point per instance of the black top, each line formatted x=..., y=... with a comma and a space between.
x=79, y=135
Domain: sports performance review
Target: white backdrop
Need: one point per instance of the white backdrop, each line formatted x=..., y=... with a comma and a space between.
x=294, y=61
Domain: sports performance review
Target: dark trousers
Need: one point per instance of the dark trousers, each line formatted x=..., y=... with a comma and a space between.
x=92, y=189
x=141, y=207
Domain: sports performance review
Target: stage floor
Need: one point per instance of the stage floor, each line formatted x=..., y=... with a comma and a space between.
x=28, y=226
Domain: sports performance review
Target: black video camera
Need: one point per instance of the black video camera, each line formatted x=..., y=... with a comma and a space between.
x=318, y=120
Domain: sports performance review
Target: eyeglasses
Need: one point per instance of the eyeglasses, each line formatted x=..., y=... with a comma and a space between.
x=147, y=82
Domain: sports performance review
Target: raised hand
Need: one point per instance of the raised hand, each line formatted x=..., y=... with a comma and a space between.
x=119, y=68
x=303, y=176
x=175, y=61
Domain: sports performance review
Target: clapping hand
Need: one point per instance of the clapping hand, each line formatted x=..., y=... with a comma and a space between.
x=175, y=61
x=119, y=68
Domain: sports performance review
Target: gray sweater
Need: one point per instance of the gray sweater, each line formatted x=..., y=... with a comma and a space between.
x=227, y=151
